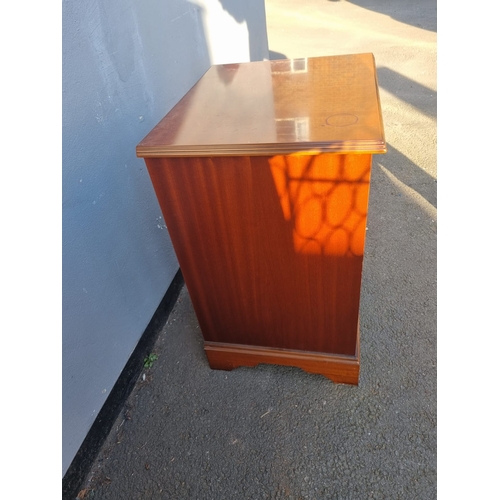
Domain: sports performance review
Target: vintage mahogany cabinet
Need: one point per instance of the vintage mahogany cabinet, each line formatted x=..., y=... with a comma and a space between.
x=262, y=172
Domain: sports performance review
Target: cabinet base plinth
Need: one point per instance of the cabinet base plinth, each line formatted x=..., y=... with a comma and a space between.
x=338, y=368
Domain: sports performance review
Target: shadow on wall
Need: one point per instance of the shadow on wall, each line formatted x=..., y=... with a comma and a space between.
x=244, y=12
x=406, y=11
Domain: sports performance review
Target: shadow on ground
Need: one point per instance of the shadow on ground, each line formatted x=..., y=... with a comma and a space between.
x=412, y=13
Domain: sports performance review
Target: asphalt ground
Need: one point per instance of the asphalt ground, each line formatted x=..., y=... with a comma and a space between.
x=270, y=432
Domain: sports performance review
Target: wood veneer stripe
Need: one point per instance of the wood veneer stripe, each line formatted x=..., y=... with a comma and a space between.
x=259, y=150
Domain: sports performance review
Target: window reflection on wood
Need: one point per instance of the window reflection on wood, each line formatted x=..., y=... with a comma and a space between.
x=289, y=66
x=298, y=128
x=326, y=198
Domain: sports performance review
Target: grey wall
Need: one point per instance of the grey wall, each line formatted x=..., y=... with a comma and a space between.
x=125, y=64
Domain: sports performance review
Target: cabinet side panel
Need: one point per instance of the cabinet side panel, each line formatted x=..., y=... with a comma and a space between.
x=271, y=248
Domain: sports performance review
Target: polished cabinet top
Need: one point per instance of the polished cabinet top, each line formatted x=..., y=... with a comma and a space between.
x=311, y=105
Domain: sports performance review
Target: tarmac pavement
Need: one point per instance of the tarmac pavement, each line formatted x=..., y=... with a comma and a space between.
x=270, y=432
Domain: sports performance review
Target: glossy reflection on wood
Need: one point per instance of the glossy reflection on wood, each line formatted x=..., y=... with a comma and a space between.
x=275, y=107
x=262, y=173
x=260, y=274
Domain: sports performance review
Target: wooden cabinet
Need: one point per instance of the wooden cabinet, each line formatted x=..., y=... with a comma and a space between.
x=262, y=172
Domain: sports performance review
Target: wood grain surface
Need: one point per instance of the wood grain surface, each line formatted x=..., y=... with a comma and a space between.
x=338, y=368
x=271, y=248
x=317, y=104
